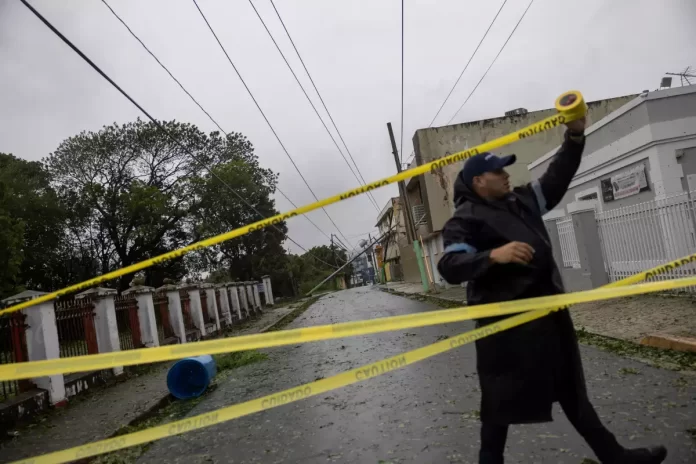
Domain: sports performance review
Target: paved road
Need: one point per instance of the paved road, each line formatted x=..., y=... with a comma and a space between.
x=425, y=413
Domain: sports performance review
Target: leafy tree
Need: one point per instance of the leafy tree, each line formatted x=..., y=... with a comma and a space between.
x=135, y=193
x=31, y=227
x=252, y=255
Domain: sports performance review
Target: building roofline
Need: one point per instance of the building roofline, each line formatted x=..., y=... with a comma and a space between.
x=527, y=115
x=389, y=206
x=655, y=95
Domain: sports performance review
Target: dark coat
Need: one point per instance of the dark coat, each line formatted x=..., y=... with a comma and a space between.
x=523, y=370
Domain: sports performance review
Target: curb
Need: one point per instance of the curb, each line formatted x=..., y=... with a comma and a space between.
x=670, y=342
x=433, y=298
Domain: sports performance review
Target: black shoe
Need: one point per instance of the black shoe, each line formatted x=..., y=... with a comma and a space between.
x=654, y=455
x=490, y=458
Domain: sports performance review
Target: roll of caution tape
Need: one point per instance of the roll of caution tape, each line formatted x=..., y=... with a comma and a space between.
x=575, y=112
x=572, y=103
x=346, y=329
x=313, y=388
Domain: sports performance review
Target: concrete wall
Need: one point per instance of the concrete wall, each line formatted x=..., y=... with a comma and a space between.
x=433, y=143
x=657, y=129
x=687, y=160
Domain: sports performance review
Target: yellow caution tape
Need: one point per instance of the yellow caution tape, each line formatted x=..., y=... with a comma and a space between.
x=570, y=111
x=33, y=369
x=309, y=389
x=281, y=398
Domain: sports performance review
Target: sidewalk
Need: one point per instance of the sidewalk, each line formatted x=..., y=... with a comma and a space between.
x=451, y=295
x=102, y=412
x=662, y=321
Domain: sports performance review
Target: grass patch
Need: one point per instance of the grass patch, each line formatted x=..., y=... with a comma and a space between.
x=234, y=360
x=304, y=306
x=668, y=359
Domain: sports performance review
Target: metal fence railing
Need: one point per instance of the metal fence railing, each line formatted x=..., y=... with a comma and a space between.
x=569, y=246
x=204, y=308
x=186, y=310
x=127, y=321
x=638, y=237
x=13, y=349
x=77, y=334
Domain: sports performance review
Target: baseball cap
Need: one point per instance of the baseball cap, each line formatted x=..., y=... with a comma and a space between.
x=484, y=162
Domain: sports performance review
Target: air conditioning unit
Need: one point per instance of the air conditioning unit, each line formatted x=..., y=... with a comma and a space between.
x=419, y=215
x=517, y=112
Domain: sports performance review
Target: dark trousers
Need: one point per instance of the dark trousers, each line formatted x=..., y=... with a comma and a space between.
x=580, y=413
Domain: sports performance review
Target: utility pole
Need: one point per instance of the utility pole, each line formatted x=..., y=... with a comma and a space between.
x=410, y=227
x=333, y=253
x=348, y=262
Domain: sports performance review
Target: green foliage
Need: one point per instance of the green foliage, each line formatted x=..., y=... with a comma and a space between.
x=107, y=199
x=134, y=193
x=31, y=227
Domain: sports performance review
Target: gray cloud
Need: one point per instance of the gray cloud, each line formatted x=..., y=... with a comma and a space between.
x=602, y=48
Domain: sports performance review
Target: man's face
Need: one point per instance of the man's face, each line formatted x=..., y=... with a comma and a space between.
x=493, y=184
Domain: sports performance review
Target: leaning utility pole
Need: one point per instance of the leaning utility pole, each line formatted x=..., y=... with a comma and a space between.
x=410, y=227
x=348, y=262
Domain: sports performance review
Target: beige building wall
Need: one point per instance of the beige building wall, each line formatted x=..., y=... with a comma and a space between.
x=433, y=143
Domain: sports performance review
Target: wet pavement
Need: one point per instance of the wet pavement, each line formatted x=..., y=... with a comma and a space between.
x=424, y=413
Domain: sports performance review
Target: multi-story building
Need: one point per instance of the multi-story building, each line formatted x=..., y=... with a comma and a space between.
x=431, y=194
x=393, y=246
x=638, y=175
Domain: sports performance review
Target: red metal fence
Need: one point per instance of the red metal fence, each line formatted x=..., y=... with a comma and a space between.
x=186, y=310
x=204, y=308
x=77, y=335
x=127, y=321
x=13, y=349
x=164, y=325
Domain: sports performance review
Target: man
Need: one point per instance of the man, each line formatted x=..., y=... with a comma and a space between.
x=496, y=241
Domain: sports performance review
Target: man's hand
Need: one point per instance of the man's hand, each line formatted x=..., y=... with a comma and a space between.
x=577, y=126
x=513, y=252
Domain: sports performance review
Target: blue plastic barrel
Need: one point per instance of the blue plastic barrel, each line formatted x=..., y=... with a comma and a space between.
x=188, y=378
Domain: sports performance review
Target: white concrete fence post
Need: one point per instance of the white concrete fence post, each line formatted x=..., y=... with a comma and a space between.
x=213, y=310
x=42, y=341
x=146, y=314
x=104, y=320
x=224, y=302
x=241, y=291
x=234, y=298
x=250, y=296
x=176, y=317
x=195, y=307
x=267, y=290
x=257, y=296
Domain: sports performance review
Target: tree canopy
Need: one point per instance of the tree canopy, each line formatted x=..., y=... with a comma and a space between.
x=107, y=199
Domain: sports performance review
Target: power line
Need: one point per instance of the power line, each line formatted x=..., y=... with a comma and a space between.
x=463, y=70
x=311, y=103
x=123, y=92
x=340, y=136
x=467, y=63
x=221, y=129
x=264, y=115
x=493, y=62
x=401, y=146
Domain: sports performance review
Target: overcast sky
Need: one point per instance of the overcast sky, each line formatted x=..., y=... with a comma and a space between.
x=605, y=48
